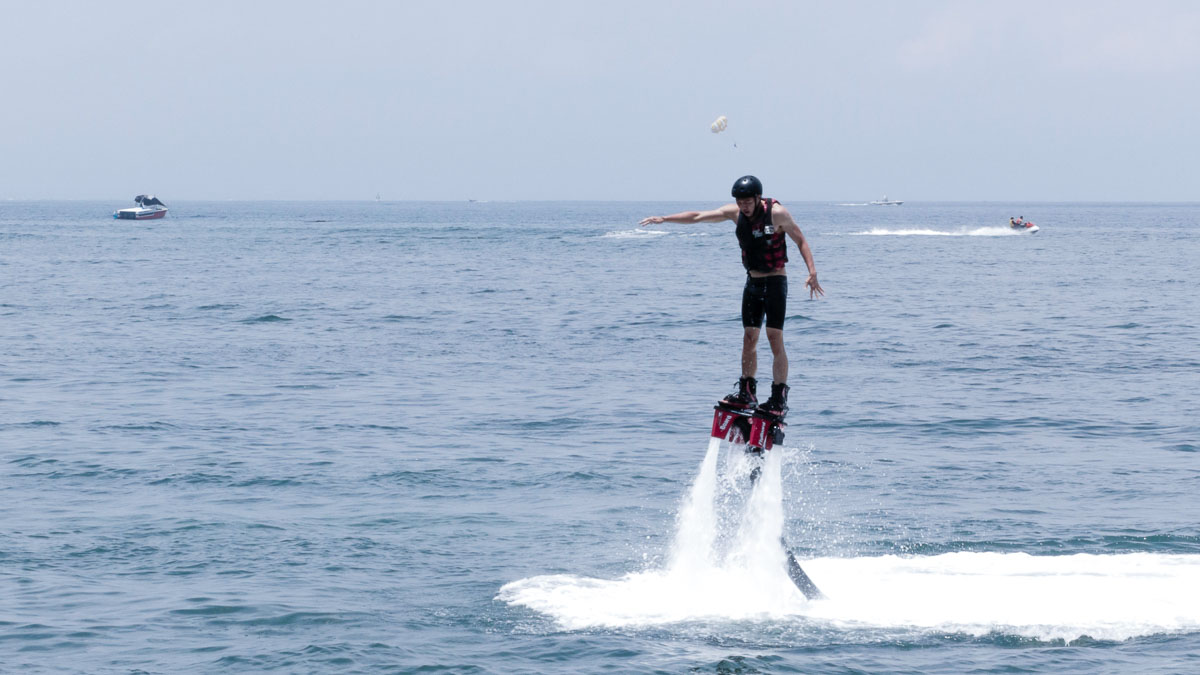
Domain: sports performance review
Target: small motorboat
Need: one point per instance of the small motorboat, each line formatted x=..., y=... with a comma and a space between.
x=148, y=207
x=1023, y=226
x=886, y=202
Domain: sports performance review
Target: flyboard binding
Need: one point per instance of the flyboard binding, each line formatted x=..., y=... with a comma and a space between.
x=756, y=429
x=759, y=431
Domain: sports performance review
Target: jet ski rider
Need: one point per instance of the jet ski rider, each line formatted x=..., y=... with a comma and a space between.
x=761, y=226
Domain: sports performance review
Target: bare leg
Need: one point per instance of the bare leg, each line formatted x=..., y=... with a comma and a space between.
x=779, y=364
x=750, y=352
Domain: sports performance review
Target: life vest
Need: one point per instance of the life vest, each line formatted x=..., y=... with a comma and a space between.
x=764, y=248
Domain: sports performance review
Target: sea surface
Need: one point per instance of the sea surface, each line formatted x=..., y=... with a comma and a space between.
x=474, y=438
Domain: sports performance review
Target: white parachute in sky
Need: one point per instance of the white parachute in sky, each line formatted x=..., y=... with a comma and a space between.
x=719, y=124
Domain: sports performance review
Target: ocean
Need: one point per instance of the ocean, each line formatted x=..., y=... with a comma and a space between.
x=473, y=437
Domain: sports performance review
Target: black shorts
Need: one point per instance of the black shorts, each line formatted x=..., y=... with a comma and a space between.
x=764, y=295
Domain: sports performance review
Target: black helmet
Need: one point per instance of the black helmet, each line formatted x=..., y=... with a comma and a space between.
x=747, y=186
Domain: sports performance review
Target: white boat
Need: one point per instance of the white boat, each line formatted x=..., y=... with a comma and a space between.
x=886, y=202
x=148, y=207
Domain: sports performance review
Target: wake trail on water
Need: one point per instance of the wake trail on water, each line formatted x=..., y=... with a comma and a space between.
x=927, y=232
x=640, y=233
x=727, y=564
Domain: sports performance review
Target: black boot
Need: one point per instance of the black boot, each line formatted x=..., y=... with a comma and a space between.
x=777, y=404
x=746, y=395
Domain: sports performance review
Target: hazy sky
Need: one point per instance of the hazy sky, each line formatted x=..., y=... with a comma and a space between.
x=609, y=100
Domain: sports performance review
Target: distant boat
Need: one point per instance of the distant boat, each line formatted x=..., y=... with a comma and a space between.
x=148, y=207
x=886, y=202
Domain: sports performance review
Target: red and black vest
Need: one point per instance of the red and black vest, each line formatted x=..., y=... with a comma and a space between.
x=764, y=248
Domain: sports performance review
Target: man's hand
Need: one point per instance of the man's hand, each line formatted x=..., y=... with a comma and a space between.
x=652, y=219
x=814, y=288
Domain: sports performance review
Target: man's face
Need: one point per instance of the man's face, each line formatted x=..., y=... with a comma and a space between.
x=746, y=205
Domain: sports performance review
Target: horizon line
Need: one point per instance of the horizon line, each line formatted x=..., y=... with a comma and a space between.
x=836, y=202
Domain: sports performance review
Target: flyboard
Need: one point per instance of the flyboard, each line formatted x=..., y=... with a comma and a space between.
x=758, y=431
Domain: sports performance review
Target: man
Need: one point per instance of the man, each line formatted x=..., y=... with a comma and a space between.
x=761, y=226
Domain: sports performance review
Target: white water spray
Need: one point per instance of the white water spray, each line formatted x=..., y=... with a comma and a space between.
x=726, y=561
x=696, y=525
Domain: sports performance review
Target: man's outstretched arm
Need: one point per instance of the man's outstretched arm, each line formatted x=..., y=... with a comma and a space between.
x=727, y=212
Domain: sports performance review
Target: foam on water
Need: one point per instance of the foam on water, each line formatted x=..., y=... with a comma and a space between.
x=727, y=564
x=1106, y=597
